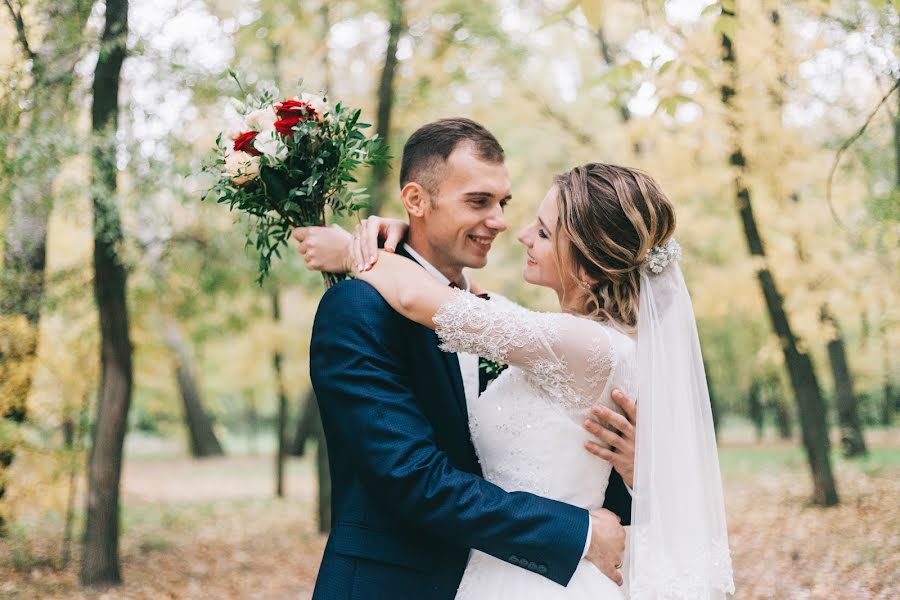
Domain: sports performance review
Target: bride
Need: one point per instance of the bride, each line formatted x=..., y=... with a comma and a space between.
x=602, y=240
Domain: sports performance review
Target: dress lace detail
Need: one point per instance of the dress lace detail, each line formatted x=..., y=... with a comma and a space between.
x=526, y=427
x=602, y=363
x=465, y=324
x=570, y=358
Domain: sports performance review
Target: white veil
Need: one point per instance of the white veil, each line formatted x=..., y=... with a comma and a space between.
x=678, y=545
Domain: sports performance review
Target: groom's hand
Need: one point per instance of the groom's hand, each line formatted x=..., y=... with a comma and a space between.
x=617, y=432
x=607, y=549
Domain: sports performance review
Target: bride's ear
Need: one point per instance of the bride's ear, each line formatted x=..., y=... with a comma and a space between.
x=414, y=198
x=585, y=280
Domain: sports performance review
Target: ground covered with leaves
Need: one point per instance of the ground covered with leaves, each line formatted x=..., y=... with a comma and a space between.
x=210, y=529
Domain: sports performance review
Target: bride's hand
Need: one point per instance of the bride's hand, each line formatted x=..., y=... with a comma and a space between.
x=373, y=230
x=325, y=249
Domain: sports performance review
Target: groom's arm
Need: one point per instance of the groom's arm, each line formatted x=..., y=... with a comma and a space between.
x=368, y=405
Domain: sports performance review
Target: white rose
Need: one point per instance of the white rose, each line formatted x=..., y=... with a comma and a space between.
x=237, y=105
x=241, y=167
x=318, y=104
x=262, y=119
x=270, y=144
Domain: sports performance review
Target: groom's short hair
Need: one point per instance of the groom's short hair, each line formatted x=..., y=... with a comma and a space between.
x=427, y=149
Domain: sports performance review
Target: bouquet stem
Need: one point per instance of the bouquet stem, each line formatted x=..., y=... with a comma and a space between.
x=330, y=278
x=333, y=278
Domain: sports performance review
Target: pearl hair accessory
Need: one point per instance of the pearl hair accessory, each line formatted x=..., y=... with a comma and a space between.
x=660, y=257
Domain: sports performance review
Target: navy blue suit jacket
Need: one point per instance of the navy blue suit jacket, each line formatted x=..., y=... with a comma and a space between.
x=408, y=499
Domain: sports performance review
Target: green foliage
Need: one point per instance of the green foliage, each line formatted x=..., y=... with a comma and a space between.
x=293, y=189
x=188, y=260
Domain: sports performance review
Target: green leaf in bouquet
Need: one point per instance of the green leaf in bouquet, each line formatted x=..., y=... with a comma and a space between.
x=275, y=185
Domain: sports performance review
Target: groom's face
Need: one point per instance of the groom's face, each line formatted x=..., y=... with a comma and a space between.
x=465, y=214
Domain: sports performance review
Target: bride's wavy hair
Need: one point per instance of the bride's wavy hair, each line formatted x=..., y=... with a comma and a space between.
x=612, y=217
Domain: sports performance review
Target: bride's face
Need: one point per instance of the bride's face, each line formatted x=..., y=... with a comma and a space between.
x=540, y=241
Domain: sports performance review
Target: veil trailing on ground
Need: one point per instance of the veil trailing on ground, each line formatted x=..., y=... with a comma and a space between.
x=678, y=546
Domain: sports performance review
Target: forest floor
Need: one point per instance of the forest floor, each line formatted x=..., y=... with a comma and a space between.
x=211, y=529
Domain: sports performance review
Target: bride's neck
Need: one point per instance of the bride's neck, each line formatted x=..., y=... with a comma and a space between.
x=570, y=301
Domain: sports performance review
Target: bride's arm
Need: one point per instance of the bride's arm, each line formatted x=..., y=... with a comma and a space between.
x=408, y=288
x=330, y=249
x=575, y=350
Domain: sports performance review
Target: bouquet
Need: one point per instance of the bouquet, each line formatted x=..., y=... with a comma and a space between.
x=287, y=162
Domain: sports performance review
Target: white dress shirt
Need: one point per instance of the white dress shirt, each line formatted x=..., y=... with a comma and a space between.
x=468, y=363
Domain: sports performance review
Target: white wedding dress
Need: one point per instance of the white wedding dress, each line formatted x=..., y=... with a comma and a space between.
x=527, y=426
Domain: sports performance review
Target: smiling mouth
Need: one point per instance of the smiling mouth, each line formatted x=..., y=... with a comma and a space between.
x=482, y=242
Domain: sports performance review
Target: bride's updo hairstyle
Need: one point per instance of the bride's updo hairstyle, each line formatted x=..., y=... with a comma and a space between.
x=612, y=217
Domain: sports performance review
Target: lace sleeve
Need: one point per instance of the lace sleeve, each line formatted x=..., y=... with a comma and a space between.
x=568, y=355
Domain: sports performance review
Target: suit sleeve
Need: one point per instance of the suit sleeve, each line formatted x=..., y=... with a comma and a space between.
x=367, y=403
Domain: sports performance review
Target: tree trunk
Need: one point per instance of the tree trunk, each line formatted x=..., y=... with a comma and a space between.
x=889, y=402
x=800, y=368
x=889, y=405
x=201, y=437
x=851, y=432
x=17, y=341
x=100, y=560
x=306, y=424
x=325, y=15
x=69, y=434
x=73, y=432
x=386, y=103
x=621, y=103
x=846, y=402
x=252, y=424
x=36, y=166
x=713, y=404
x=755, y=409
x=783, y=417
x=281, y=424
x=897, y=146
x=309, y=425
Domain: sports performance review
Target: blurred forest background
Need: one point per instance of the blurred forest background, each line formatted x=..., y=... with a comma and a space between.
x=136, y=346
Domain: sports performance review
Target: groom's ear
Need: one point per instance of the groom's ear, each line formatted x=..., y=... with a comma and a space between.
x=414, y=198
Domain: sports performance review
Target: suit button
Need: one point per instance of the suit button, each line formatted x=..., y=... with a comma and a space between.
x=532, y=566
x=514, y=559
x=542, y=569
x=523, y=562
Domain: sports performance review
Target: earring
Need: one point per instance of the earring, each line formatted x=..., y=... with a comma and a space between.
x=584, y=285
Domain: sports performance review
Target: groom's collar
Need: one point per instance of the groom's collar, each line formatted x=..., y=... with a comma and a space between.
x=430, y=268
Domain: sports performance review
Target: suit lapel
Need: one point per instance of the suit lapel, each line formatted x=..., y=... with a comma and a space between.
x=449, y=359
x=459, y=391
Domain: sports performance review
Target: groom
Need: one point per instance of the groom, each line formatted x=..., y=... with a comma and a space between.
x=408, y=498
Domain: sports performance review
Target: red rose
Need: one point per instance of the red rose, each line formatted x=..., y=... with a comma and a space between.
x=295, y=109
x=286, y=126
x=244, y=143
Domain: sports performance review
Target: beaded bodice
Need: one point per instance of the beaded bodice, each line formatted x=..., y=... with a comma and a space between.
x=527, y=426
